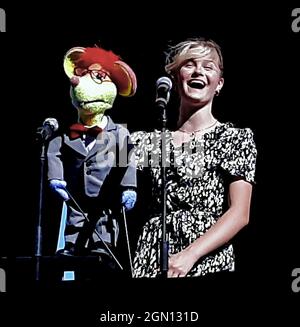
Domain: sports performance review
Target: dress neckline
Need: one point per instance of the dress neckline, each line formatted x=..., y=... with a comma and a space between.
x=194, y=137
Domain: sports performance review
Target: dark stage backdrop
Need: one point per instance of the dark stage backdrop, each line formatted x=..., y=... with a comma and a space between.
x=261, y=57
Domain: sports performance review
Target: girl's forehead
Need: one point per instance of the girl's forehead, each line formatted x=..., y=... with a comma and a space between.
x=202, y=53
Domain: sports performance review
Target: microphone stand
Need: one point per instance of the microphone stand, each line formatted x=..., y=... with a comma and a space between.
x=38, y=233
x=163, y=85
x=164, y=244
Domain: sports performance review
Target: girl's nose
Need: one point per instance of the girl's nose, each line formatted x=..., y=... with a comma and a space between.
x=198, y=70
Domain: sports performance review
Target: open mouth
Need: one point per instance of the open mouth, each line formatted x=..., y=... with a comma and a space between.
x=196, y=84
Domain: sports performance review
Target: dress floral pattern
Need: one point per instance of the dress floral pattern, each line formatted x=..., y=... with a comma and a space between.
x=198, y=174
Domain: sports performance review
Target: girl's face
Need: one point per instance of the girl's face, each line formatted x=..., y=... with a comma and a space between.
x=200, y=77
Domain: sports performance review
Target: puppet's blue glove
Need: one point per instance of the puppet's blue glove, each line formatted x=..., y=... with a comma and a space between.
x=129, y=199
x=59, y=187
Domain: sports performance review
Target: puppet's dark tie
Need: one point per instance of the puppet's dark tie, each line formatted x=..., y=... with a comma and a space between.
x=76, y=130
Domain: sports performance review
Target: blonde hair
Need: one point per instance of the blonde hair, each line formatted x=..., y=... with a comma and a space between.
x=178, y=54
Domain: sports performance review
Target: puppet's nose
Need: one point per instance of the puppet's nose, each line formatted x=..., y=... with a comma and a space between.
x=74, y=80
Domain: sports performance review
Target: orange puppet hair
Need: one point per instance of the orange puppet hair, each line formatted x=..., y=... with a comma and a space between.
x=100, y=56
x=120, y=73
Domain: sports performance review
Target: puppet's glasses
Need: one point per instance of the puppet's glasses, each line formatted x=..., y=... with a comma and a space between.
x=97, y=75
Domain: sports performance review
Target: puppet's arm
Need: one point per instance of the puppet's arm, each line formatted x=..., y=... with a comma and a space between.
x=59, y=187
x=55, y=168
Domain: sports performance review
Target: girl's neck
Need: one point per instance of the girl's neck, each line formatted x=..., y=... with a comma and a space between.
x=191, y=120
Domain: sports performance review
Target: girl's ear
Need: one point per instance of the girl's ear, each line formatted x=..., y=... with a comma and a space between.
x=220, y=85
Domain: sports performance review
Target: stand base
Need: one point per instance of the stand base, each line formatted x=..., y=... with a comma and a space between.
x=21, y=271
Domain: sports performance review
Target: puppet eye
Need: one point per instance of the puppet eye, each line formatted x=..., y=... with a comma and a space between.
x=80, y=71
x=98, y=76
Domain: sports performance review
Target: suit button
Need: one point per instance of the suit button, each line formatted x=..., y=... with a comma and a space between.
x=88, y=163
x=88, y=172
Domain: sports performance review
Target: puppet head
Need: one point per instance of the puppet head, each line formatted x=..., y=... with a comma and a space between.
x=96, y=77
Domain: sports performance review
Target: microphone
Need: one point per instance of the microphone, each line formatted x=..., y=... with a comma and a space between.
x=50, y=125
x=163, y=88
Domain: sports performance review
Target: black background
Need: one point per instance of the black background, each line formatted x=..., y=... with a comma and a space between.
x=261, y=91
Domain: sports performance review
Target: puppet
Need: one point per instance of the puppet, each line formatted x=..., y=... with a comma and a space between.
x=91, y=161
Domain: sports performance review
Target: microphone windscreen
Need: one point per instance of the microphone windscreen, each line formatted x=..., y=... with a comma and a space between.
x=52, y=122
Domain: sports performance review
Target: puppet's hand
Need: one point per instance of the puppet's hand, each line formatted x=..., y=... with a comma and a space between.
x=129, y=199
x=59, y=187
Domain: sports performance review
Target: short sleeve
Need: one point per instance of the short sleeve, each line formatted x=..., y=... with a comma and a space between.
x=239, y=154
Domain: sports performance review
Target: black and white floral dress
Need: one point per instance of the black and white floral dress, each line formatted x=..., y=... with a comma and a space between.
x=198, y=175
